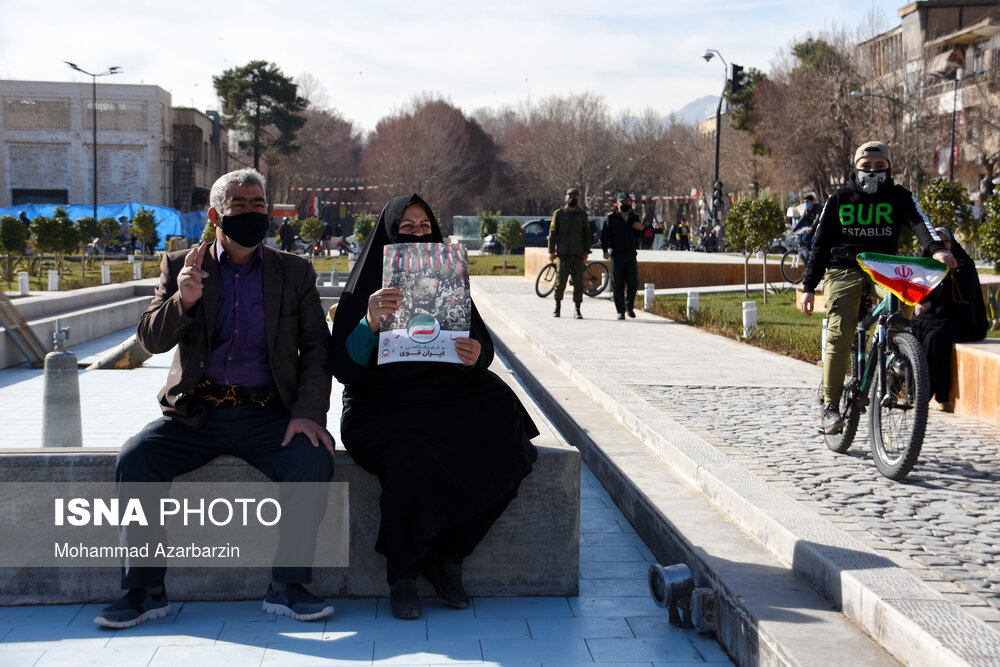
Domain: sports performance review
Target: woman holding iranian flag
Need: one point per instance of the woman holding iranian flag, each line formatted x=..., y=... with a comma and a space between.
x=866, y=215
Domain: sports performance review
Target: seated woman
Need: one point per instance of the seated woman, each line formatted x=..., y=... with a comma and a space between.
x=953, y=313
x=450, y=443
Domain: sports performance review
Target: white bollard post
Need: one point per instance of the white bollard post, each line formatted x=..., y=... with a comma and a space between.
x=61, y=423
x=749, y=318
x=350, y=265
x=692, y=305
x=53, y=280
x=137, y=271
x=131, y=259
x=650, y=296
x=335, y=277
x=826, y=321
x=105, y=274
x=22, y=282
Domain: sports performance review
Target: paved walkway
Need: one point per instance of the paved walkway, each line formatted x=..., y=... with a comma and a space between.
x=759, y=410
x=613, y=621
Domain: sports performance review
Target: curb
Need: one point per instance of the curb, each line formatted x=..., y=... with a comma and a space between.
x=916, y=624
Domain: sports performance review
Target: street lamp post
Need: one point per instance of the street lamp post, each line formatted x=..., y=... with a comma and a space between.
x=709, y=53
x=954, y=112
x=916, y=124
x=111, y=70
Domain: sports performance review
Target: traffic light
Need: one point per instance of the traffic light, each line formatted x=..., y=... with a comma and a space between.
x=717, y=197
x=736, y=83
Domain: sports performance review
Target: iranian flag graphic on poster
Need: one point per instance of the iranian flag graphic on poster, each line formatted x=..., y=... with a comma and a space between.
x=909, y=278
x=436, y=308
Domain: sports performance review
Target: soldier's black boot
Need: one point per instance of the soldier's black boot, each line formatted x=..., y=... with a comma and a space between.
x=555, y=313
x=577, y=314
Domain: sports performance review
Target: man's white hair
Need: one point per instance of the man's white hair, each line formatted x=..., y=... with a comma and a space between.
x=220, y=189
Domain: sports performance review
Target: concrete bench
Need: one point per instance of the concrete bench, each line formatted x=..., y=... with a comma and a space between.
x=533, y=549
x=975, y=380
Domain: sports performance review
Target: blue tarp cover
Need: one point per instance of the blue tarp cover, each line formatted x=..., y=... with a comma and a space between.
x=169, y=221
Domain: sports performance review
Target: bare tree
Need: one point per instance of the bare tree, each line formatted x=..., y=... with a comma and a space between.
x=431, y=148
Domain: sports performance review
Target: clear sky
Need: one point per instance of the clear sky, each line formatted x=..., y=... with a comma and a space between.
x=373, y=56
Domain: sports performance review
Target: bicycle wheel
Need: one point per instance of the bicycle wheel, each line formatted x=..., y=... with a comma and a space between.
x=595, y=278
x=899, y=409
x=546, y=280
x=793, y=267
x=850, y=409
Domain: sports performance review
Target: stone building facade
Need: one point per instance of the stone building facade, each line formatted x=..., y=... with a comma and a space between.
x=47, y=149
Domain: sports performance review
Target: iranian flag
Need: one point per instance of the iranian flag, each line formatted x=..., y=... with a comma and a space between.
x=909, y=278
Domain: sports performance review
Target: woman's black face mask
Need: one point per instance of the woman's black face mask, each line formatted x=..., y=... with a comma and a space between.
x=247, y=229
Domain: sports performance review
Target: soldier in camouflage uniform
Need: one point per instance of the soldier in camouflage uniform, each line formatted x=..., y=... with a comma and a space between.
x=569, y=246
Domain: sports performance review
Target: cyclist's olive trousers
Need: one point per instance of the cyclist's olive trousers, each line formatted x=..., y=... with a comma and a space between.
x=570, y=264
x=842, y=292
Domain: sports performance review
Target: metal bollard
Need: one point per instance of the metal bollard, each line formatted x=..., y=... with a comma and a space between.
x=335, y=277
x=61, y=424
x=692, y=305
x=53, y=280
x=22, y=282
x=650, y=297
x=350, y=265
x=749, y=318
x=105, y=274
x=137, y=271
x=131, y=259
x=671, y=588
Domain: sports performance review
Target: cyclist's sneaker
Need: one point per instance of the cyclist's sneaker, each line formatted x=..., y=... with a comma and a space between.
x=833, y=423
x=135, y=607
x=297, y=602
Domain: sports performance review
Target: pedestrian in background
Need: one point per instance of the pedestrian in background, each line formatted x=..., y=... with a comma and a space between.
x=286, y=235
x=569, y=245
x=620, y=235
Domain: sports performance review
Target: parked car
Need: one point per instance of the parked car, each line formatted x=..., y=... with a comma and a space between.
x=536, y=235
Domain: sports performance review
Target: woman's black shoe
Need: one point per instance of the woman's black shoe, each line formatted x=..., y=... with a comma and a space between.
x=404, y=600
x=447, y=581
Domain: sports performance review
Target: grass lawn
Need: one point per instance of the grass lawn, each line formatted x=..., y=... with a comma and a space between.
x=781, y=327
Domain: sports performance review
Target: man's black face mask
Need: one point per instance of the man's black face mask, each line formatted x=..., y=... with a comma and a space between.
x=572, y=202
x=247, y=229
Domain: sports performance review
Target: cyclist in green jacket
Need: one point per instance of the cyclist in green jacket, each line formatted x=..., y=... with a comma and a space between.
x=569, y=246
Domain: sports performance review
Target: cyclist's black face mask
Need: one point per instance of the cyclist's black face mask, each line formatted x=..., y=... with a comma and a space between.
x=871, y=181
x=624, y=207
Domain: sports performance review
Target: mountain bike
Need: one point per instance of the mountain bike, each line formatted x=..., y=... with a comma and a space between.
x=794, y=260
x=890, y=381
x=595, y=279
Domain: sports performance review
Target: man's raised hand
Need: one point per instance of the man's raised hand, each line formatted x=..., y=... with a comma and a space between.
x=189, y=280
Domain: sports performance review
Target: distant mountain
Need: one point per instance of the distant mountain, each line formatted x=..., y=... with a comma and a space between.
x=697, y=111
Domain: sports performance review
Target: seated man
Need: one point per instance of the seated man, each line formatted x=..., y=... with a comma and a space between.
x=248, y=378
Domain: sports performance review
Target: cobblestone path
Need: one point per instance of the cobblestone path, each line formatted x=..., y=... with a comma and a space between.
x=945, y=514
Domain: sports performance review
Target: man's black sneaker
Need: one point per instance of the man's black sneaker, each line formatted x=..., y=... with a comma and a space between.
x=297, y=602
x=135, y=607
x=631, y=313
x=447, y=581
x=621, y=316
x=833, y=423
x=558, y=308
x=576, y=313
x=404, y=600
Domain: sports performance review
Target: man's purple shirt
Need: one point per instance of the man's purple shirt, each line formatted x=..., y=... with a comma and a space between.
x=239, y=340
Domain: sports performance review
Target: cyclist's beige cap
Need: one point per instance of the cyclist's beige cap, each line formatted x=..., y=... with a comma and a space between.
x=872, y=149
